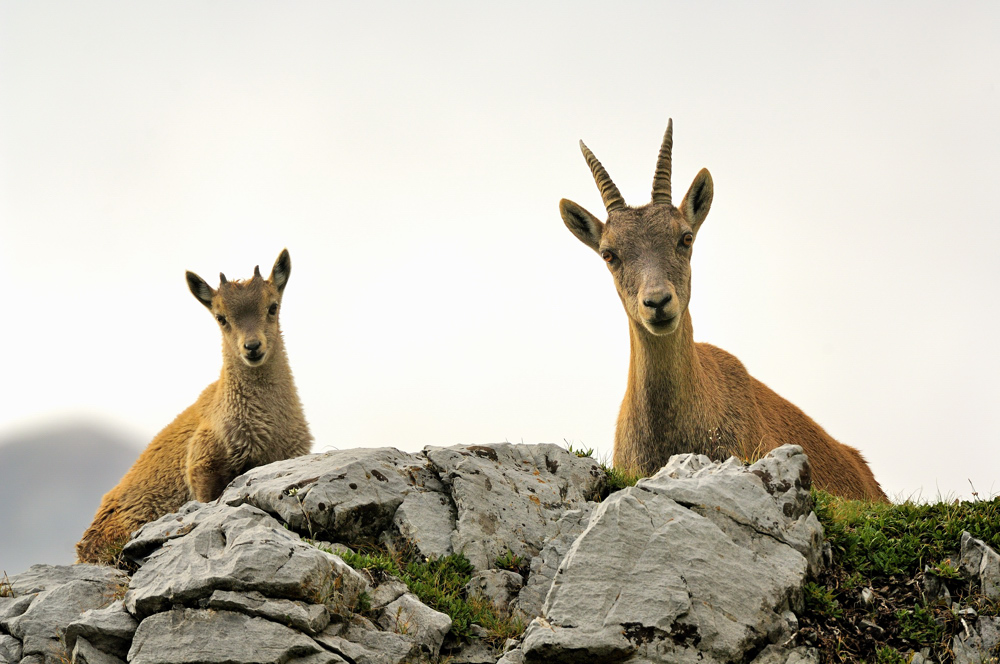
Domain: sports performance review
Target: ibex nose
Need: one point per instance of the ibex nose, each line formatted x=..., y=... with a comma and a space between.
x=252, y=346
x=657, y=300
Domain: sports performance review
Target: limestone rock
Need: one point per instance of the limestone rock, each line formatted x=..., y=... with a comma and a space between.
x=109, y=629
x=427, y=519
x=10, y=649
x=308, y=618
x=365, y=644
x=410, y=617
x=545, y=565
x=509, y=496
x=84, y=653
x=197, y=636
x=42, y=626
x=344, y=494
x=698, y=566
x=240, y=549
x=499, y=586
x=982, y=564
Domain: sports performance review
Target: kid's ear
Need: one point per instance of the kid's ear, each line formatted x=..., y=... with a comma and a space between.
x=585, y=226
x=698, y=200
x=281, y=270
x=200, y=289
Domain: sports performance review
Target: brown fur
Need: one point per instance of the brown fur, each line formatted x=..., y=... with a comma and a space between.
x=684, y=396
x=251, y=416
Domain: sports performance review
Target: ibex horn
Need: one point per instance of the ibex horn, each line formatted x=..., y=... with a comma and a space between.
x=222, y=278
x=661, y=181
x=256, y=272
x=609, y=192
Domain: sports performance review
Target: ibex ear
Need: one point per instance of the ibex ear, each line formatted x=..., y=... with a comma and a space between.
x=698, y=200
x=585, y=226
x=281, y=270
x=200, y=289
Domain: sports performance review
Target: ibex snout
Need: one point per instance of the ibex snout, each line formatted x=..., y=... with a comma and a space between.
x=253, y=350
x=660, y=309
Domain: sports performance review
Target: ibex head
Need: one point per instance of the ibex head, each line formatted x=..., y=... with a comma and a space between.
x=247, y=311
x=648, y=248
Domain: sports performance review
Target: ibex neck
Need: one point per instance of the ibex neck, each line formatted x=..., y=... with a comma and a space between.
x=663, y=369
x=274, y=370
x=667, y=402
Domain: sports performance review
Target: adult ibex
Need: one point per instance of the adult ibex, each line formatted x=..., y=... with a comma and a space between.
x=249, y=417
x=684, y=396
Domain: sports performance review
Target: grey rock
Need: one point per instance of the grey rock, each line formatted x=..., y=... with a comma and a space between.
x=775, y=654
x=343, y=494
x=698, y=566
x=513, y=656
x=388, y=591
x=10, y=649
x=308, y=618
x=982, y=564
x=508, y=496
x=240, y=549
x=12, y=607
x=182, y=636
x=989, y=633
x=473, y=653
x=368, y=645
x=499, y=586
x=545, y=565
x=109, y=629
x=85, y=653
x=427, y=519
x=42, y=626
x=409, y=616
x=46, y=577
x=729, y=494
x=155, y=534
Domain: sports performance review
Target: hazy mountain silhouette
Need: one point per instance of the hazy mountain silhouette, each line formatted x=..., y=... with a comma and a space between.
x=51, y=482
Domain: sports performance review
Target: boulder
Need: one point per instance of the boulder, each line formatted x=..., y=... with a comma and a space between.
x=982, y=564
x=499, y=586
x=697, y=563
x=57, y=596
x=240, y=549
x=343, y=495
x=508, y=497
x=421, y=624
x=109, y=630
x=199, y=636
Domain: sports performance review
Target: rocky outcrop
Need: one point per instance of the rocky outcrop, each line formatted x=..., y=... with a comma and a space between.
x=702, y=562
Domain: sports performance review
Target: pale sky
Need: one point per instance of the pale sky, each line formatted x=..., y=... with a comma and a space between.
x=411, y=158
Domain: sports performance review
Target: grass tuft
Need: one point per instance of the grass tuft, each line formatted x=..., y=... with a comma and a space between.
x=440, y=584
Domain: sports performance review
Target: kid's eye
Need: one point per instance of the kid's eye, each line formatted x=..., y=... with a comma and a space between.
x=687, y=239
x=608, y=256
x=221, y=319
x=273, y=309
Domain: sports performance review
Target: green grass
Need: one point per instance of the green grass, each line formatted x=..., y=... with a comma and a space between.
x=888, y=547
x=440, y=584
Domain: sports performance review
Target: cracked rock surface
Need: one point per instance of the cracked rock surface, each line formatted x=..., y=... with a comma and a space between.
x=701, y=562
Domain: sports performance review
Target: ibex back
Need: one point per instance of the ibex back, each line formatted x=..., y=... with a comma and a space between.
x=249, y=417
x=684, y=396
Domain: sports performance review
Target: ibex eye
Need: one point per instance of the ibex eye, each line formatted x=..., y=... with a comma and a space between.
x=607, y=256
x=221, y=319
x=273, y=309
x=687, y=239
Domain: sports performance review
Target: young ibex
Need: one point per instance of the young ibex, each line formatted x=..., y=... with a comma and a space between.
x=684, y=396
x=251, y=416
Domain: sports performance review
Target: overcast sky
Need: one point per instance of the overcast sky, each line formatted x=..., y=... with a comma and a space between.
x=411, y=157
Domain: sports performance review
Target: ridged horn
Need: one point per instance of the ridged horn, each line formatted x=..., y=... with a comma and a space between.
x=609, y=192
x=222, y=278
x=661, y=180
